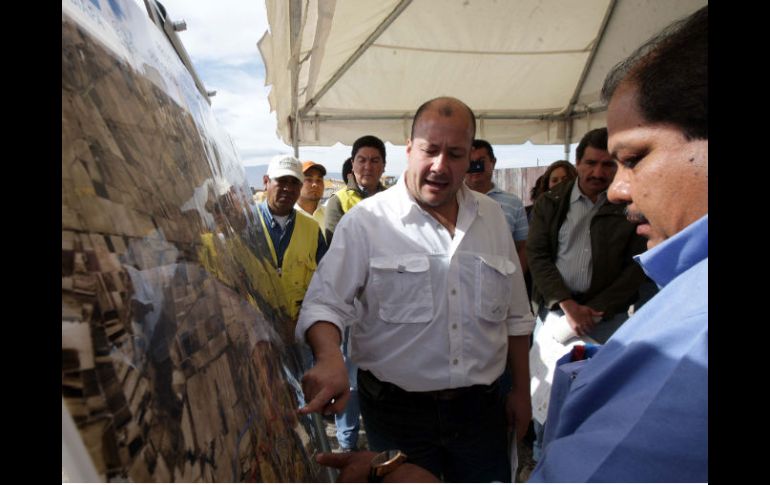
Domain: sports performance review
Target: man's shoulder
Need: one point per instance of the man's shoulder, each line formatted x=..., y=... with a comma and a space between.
x=608, y=208
x=488, y=206
x=497, y=192
x=382, y=198
x=303, y=216
x=303, y=220
x=376, y=207
x=561, y=190
x=484, y=200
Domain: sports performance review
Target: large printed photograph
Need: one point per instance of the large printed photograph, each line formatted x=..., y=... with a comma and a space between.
x=178, y=361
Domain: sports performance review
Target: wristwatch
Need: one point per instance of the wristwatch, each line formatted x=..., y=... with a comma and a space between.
x=384, y=463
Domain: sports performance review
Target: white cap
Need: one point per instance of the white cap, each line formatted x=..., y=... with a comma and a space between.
x=282, y=165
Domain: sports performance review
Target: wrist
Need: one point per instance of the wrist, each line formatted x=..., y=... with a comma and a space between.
x=566, y=304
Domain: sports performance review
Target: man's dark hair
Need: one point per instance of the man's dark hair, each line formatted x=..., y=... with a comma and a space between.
x=368, y=141
x=445, y=110
x=670, y=72
x=484, y=144
x=595, y=138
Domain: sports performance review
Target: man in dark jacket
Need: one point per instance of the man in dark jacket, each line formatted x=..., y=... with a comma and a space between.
x=581, y=246
x=579, y=251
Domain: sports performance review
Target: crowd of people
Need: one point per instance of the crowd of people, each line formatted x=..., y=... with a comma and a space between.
x=443, y=311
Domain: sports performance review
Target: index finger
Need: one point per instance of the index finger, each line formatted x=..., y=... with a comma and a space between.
x=318, y=403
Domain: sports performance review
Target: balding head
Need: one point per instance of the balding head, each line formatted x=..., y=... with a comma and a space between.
x=446, y=107
x=438, y=154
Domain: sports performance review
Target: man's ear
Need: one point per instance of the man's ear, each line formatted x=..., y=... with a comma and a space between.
x=265, y=180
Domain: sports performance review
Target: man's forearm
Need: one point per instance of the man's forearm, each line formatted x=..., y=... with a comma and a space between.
x=325, y=385
x=518, y=356
x=325, y=339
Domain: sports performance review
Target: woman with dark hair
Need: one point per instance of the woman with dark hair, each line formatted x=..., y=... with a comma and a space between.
x=534, y=193
x=556, y=173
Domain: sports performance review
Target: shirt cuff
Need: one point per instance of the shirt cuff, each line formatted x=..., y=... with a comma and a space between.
x=521, y=326
x=309, y=316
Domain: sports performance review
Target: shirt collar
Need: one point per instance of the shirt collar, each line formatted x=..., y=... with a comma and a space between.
x=576, y=194
x=299, y=208
x=269, y=220
x=493, y=190
x=405, y=203
x=677, y=254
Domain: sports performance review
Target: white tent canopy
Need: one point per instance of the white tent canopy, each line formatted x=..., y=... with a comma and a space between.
x=529, y=69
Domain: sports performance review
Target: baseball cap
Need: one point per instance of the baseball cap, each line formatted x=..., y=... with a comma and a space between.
x=310, y=164
x=283, y=165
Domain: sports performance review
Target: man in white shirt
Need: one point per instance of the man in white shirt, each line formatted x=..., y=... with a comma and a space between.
x=429, y=273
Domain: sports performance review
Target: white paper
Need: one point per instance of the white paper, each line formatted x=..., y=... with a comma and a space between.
x=514, y=452
x=554, y=339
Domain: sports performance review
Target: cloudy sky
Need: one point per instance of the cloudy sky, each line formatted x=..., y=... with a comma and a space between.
x=221, y=38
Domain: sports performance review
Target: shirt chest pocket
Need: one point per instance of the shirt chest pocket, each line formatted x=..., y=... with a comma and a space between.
x=494, y=282
x=402, y=287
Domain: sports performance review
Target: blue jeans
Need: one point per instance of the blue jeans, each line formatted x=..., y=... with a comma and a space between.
x=459, y=440
x=347, y=421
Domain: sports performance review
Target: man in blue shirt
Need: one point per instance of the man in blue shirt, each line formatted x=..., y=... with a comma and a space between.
x=638, y=410
x=512, y=206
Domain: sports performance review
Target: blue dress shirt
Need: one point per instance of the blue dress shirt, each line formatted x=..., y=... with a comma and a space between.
x=638, y=411
x=514, y=212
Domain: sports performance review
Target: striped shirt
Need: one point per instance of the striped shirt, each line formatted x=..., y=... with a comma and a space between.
x=515, y=215
x=574, y=256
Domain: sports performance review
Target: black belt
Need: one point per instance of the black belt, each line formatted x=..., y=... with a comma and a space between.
x=441, y=395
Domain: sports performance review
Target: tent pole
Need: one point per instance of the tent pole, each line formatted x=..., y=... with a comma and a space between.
x=600, y=36
x=295, y=21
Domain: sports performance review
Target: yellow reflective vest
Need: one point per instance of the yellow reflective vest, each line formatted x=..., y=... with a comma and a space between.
x=348, y=198
x=299, y=262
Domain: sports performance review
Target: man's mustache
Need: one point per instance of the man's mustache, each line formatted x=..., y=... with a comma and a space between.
x=598, y=179
x=635, y=216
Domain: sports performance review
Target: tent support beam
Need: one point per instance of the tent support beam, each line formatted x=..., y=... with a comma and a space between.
x=569, y=114
x=498, y=116
x=295, y=25
x=356, y=55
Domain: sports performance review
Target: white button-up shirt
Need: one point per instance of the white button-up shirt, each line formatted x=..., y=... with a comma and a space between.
x=428, y=311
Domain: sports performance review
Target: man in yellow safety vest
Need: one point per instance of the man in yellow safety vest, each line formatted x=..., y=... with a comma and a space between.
x=295, y=240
